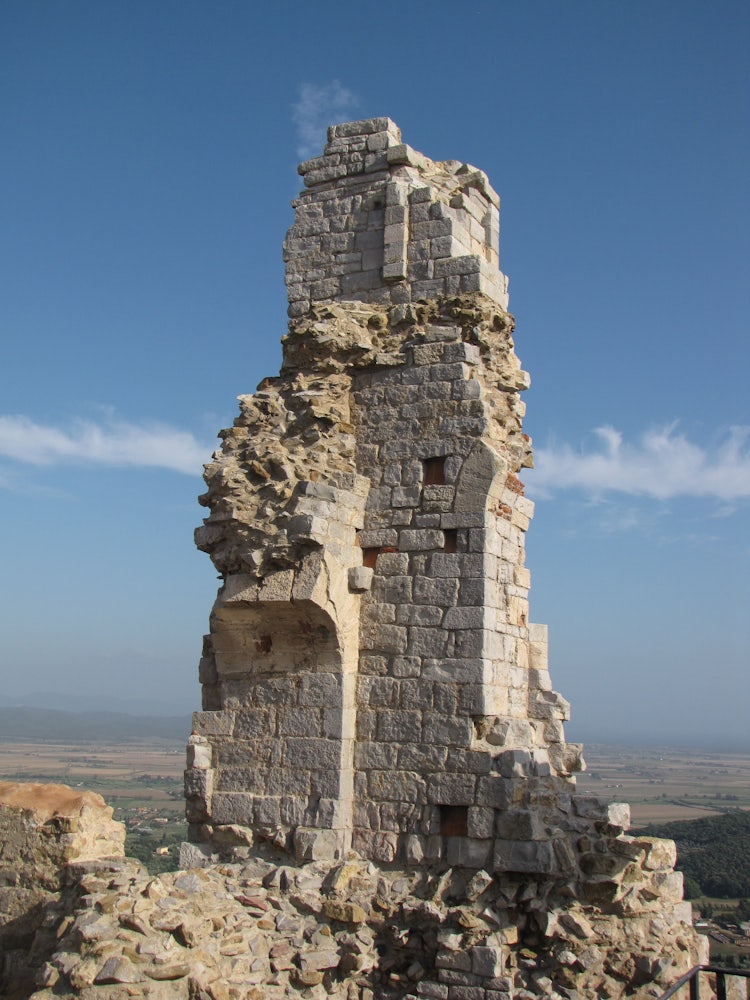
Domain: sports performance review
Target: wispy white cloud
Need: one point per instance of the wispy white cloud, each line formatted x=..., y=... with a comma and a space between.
x=109, y=442
x=662, y=464
x=318, y=106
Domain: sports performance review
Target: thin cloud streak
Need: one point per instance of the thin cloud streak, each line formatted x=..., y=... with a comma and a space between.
x=663, y=464
x=318, y=106
x=112, y=443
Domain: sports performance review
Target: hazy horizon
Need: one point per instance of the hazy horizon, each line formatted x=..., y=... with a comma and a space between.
x=587, y=733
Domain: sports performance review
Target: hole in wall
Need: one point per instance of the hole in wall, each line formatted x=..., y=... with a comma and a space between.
x=370, y=557
x=454, y=821
x=434, y=471
x=450, y=540
x=263, y=644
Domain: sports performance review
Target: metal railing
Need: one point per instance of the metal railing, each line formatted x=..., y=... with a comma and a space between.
x=692, y=979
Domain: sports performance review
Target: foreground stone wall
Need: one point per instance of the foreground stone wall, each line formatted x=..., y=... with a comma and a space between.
x=43, y=829
x=74, y=924
x=264, y=930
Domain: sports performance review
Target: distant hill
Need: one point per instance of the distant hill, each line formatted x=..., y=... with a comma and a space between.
x=38, y=724
x=714, y=852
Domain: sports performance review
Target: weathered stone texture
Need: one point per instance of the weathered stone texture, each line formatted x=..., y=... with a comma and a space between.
x=259, y=929
x=43, y=830
x=371, y=679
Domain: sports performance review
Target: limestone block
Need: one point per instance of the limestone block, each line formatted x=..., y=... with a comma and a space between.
x=668, y=885
x=500, y=793
x=449, y=670
x=396, y=786
x=232, y=807
x=488, y=962
x=618, y=816
x=426, y=642
x=449, y=732
x=661, y=855
x=524, y=857
x=301, y=722
x=422, y=615
x=360, y=579
x=311, y=753
x=213, y=723
x=519, y=824
x=481, y=822
x=196, y=856
x=317, y=845
x=421, y=758
x=199, y=753
x=451, y=789
x=440, y=592
x=320, y=689
x=467, y=852
x=399, y=726
x=199, y=785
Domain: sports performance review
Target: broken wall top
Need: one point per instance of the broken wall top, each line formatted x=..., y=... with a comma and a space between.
x=379, y=222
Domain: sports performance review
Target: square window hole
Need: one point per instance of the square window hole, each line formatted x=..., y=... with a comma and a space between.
x=454, y=821
x=434, y=471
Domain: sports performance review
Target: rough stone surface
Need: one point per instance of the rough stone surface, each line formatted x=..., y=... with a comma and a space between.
x=406, y=713
x=381, y=800
x=262, y=929
x=43, y=828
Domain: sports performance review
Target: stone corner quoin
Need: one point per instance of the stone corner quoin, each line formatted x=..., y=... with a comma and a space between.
x=371, y=680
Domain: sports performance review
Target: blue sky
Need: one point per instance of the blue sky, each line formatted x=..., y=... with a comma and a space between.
x=149, y=158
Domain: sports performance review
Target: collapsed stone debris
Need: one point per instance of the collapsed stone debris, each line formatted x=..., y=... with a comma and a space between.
x=381, y=800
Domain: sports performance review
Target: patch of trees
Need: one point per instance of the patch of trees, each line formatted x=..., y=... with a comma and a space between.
x=713, y=853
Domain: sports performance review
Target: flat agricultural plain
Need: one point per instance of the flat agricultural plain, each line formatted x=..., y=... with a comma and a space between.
x=662, y=784
x=143, y=779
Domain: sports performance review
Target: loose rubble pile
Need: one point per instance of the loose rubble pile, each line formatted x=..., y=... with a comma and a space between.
x=261, y=930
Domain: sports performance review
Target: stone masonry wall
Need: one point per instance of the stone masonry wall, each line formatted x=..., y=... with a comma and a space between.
x=382, y=223
x=371, y=679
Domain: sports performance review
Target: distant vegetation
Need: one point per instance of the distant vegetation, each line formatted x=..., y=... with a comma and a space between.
x=144, y=844
x=713, y=853
x=39, y=724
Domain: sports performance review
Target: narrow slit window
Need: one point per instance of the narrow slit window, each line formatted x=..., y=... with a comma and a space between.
x=434, y=471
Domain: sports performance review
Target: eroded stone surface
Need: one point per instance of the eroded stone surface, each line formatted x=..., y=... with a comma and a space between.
x=352, y=931
x=371, y=679
x=42, y=829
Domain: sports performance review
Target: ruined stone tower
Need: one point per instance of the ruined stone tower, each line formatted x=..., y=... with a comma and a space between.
x=371, y=680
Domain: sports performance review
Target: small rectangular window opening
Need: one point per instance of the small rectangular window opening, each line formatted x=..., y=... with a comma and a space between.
x=454, y=821
x=450, y=540
x=434, y=471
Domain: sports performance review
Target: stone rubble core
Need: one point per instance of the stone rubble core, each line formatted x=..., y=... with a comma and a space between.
x=371, y=680
x=264, y=930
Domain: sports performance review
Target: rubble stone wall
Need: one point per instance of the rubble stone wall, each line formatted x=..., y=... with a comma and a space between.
x=43, y=828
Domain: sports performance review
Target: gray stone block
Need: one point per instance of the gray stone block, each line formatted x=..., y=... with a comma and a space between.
x=399, y=726
x=457, y=732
